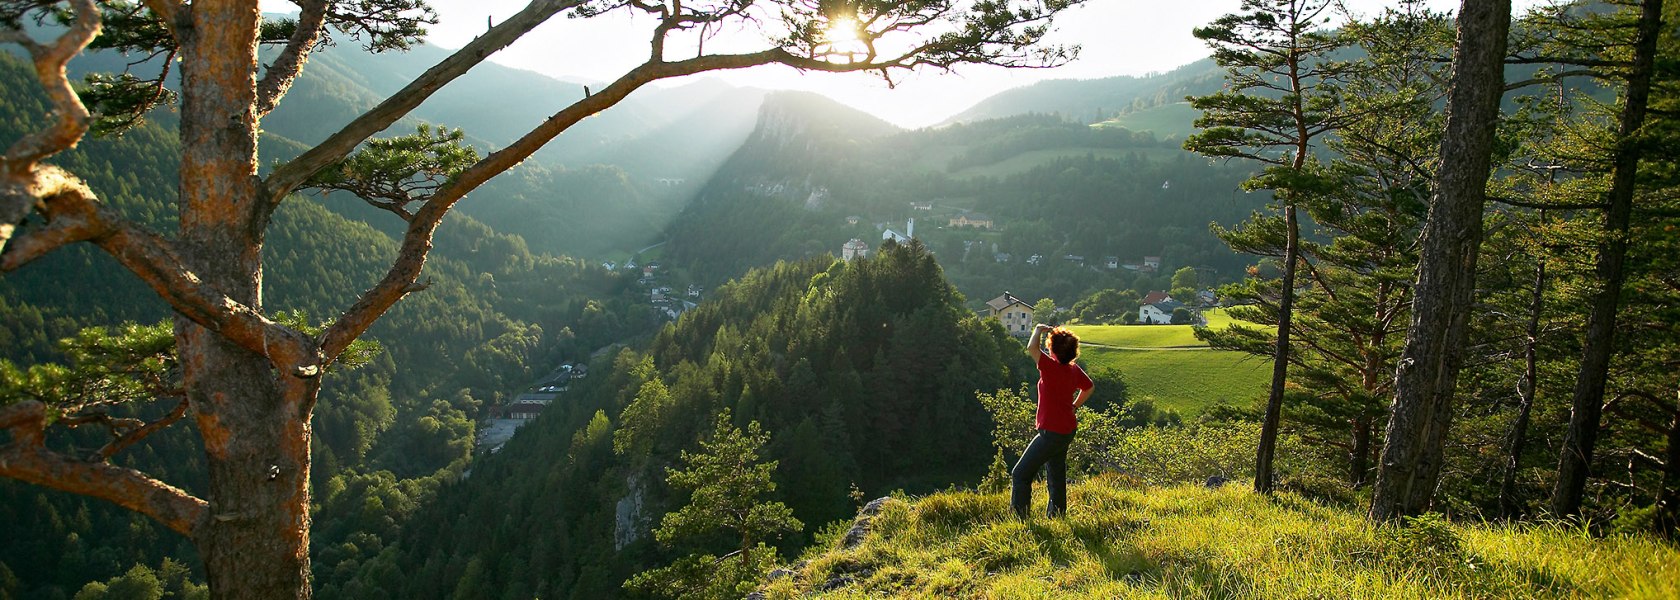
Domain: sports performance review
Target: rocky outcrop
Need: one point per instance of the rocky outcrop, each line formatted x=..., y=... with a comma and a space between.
x=628, y=515
x=840, y=577
x=860, y=526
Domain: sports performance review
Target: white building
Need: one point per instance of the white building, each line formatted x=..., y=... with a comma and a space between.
x=902, y=238
x=1159, y=313
x=855, y=248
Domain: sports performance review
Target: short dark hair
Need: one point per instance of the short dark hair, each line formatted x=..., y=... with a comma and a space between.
x=1064, y=345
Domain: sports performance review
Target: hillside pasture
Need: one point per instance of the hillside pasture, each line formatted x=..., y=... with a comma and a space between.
x=1185, y=380
x=1150, y=336
x=1138, y=336
x=1168, y=366
x=1168, y=121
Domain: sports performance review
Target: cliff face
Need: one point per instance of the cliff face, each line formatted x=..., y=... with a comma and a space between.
x=1121, y=541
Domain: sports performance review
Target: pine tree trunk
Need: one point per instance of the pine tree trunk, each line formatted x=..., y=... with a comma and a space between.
x=1587, y=402
x=1411, y=459
x=1668, y=493
x=1267, y=449
x=1359, y=459
x=1531, y=372
x=253, y=419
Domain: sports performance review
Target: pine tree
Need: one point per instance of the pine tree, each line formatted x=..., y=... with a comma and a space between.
x=1282, y=94
x=727, y=484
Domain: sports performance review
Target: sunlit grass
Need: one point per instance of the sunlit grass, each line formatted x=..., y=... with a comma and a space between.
x=1194, y=542
x=1138, y=336
x=1151, y=336
x=1177, y=371
x=1187, y=381
x=1165, y=121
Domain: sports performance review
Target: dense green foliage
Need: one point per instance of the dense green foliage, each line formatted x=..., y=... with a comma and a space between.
x=863, y=374
x=726, y=482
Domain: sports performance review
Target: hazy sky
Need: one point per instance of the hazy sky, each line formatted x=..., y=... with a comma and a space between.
x=1120, y=37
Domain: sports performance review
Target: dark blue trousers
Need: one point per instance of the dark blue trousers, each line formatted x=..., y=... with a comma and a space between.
x=1048, y=448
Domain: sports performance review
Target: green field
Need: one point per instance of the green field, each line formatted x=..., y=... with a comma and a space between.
x=1187, y=381
x=1174, y=121
x=1150, y=336
x=1167, y=365
x=1138, y=336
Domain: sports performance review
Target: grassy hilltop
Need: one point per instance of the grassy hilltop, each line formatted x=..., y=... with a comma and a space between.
x=1119, y=541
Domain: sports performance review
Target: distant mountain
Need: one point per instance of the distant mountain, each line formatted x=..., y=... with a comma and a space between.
x=1096, y=100
x=497, y=104
x=815, y=174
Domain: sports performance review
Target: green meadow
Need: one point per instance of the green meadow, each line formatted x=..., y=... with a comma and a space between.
x=1187, y=381
x=1166, y=121
x=1124, y=541
x=1168, y=366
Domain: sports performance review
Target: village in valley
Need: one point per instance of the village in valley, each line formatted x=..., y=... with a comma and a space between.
x=669, y=298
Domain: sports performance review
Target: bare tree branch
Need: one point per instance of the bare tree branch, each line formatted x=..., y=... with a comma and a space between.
x=50, y=60
x=20, y=159
x=73, y=214
x=134, y=436
x=289, y=176
x=279, y=76
x=26, y=458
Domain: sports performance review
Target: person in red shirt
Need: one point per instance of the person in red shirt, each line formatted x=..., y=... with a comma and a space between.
x=1062, y=387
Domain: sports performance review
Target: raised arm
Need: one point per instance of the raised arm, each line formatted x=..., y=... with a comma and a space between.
x=1035, y=345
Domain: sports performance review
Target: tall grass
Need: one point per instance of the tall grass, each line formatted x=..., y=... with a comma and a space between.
x=1119, y=541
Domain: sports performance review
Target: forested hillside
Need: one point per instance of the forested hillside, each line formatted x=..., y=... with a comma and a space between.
x=863, y=374
x=1053, y=188
x=1096, y=100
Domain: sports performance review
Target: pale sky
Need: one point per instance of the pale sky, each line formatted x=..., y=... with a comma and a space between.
x=1119, y=37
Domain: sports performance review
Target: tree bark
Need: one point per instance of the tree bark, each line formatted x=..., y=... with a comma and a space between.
x=1531, y=372
x=1587, y=402
x=1267, y=449
x=1422, y=409
x=1359, y=458
x=252, y=417
x=1668, y=492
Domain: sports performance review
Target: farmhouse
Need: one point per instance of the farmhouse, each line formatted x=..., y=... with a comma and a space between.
x=1159, y=313
x=1017, y=316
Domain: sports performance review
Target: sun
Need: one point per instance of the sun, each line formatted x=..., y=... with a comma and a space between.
x=843, y=31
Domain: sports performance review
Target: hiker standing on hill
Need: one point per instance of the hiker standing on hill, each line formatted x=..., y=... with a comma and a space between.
x=1062, y=387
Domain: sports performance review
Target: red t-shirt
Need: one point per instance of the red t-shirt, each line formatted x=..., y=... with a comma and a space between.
x=1056, y=385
